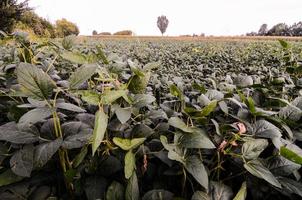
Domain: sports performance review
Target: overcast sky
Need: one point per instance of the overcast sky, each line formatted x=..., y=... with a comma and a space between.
x=212, y=17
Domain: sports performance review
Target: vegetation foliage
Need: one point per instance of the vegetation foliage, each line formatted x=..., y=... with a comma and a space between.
x=145, y=120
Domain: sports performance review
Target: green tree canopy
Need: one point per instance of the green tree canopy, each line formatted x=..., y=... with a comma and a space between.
x=65, y=28
x=11, y=12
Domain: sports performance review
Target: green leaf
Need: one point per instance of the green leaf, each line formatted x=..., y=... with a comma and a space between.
x=265, y=129
x=89, y=96
x=198, y=139
x=291, y=155
x=283, y=43
x=158, y=195
x=100, y=126
x=199, y=195
x=175, y=91
x=291, y=186
x=110, y=96
x=74, y=57
x=142, y=100
x=127, y=144
x=241, y=195
x=132, y=189
x=81, y=75
x=251, y=105
x=172, y=155
x=208, y=109
x=115, y=191
x=199, y=87
x=70, y=107
x=35, y=83
x=80, y=157
x=123, y=114
x=256, y=168
x=34, y=116
x=10, y=133
x=252, y=148
x=8, y=177
x=220, y=191
x=178, y=123
x=129, y=164
x=44, y=152
x=195, y=167
x=138, y=84
x=22, y=161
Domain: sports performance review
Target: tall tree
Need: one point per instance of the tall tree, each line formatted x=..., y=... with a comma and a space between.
x=11, y=12
x=162, y=23
x=263, y=30
x=280, y=29
x=296, y=29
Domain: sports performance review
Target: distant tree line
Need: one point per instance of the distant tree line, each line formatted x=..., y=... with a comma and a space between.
x=124, y=32
x=19, y=16
x=281, y=29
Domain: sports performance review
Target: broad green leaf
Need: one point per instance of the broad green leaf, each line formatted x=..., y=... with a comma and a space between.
x=77, y=140
x=70, y=107
x=158, y=195
x=208, y=109
x=224, y=107
x=115, y=191
x=284, y=44
x=199, y=195
x=127, y=144
x=256, y=168
x=100, y=126
x=281, y=166
x=138, y=84
x=74, y=57
x=252, y=148
x=10, y=133
x=172, y=155
x=265, y=129
x=123, y=114
x=22, y=161
x=35, y=83
x=291, y=155
x=175, y=91
x=81, y=75
x=110, y=96
x=290, y=112
x=164, y=142
x=198, y=139
x=142, y=100
x=201, y=88
x=241, y=195
x=220, y=191
x=129, y=164
x=9, y=177
x=44, y=152
x=178, y=123
x=89, y=96
x=195, y=167
x=132, y=189
x=291, y=186
x=34, y=116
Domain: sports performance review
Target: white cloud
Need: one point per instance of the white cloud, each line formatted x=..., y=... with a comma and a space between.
x=212, y=17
